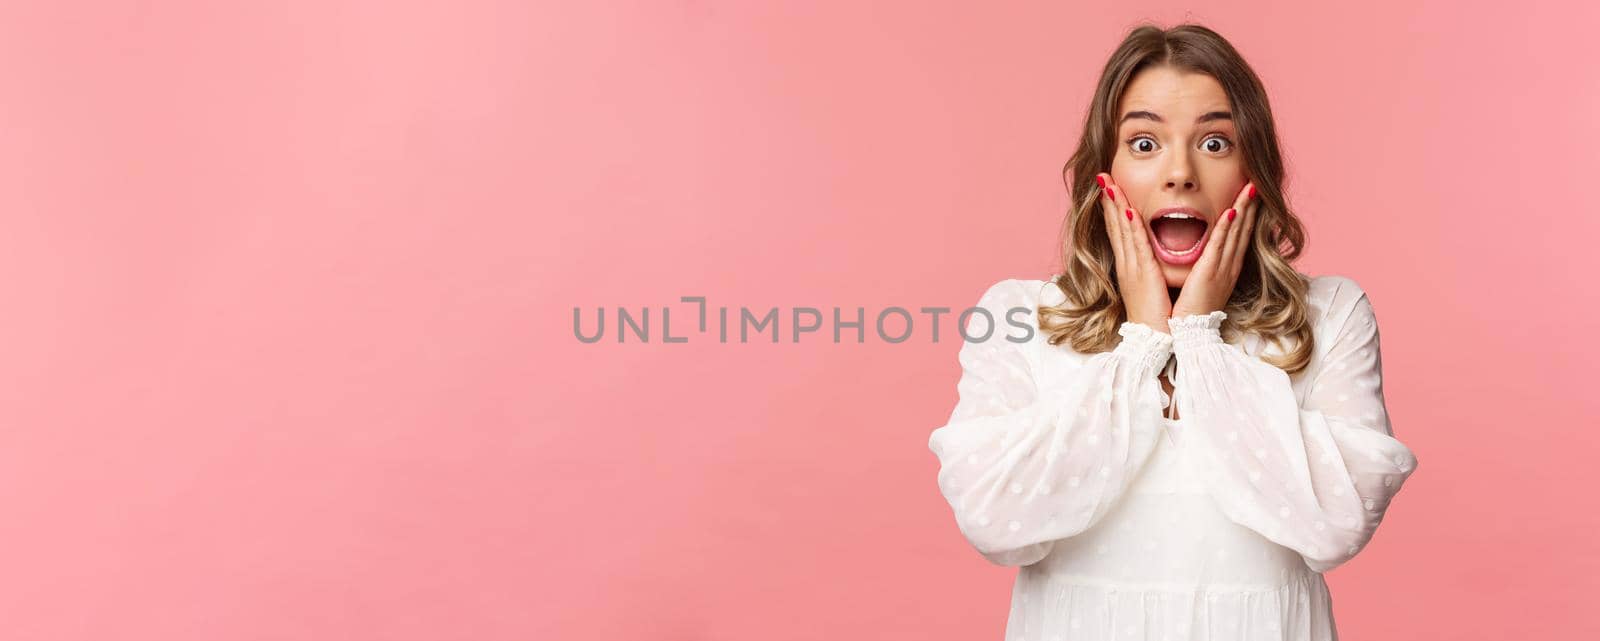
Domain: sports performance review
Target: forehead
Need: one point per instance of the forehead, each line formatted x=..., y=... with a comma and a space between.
x=1178, y=96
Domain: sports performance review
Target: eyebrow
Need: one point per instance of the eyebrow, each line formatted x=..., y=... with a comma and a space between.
x=1204, y=118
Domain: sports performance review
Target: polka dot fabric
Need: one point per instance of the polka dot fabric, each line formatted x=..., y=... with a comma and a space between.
x=1126, y=524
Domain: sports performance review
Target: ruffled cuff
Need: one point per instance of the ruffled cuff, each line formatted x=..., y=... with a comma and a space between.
x=1195, y=330
x=1150, y=347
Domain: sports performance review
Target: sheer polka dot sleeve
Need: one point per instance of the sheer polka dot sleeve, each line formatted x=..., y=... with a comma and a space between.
x=1315, y=477
x=1023, y=466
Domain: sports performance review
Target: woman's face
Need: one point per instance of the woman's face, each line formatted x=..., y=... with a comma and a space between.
x=1176, y=149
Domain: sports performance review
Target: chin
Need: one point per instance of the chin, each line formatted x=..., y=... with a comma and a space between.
x=1175, y=275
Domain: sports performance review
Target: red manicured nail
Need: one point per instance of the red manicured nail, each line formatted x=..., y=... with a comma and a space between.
x=1112, y=191
x=1130, y=214
x=1231, y=214
x=1101, y=181
x=1250, y=192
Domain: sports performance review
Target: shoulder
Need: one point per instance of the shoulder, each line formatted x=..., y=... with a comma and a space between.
x=1021, y=292
x=1336, y=294
x=1007, y=313
x=1338, y=305
x=1331, y=286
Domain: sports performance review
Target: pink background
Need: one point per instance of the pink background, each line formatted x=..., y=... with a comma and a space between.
x=288, y=297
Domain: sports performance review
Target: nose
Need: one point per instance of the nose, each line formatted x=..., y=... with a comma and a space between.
x=1180, y=172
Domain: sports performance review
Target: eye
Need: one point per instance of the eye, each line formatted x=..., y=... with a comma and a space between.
x=1145, y=144
x=1226, y=144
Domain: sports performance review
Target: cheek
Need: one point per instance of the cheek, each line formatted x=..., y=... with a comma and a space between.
x=1230, y=188
x=1134, y=177
x=1225, y=198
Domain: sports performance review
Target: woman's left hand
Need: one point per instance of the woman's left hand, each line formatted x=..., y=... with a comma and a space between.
x=1210, y=283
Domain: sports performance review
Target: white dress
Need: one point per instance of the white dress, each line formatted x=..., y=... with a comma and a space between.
x=1127, y=524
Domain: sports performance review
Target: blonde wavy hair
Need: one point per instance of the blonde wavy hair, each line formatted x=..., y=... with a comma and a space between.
x=1269, y=298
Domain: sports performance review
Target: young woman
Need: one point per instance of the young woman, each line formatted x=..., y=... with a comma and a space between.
x=1194, y=432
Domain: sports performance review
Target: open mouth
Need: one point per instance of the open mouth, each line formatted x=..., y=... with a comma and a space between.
x=1178, y=233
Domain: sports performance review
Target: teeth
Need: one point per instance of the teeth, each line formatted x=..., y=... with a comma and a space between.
x=1197, y=243
x=1184, y=252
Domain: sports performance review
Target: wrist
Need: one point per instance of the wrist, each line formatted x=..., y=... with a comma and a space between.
x=1196, y=330
x=1146, y=345
x=1158, y=325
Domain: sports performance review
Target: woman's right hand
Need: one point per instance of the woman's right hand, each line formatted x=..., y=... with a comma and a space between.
x=1143, y=287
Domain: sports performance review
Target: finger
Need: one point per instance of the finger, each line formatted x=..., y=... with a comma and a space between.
x=1247, y=224
x=1107, y=207
x=1141, y=240
x=1119, y=222
x=1216, y=245
x=1107, y=197
x=1231, y=240
x=1130, y=250
x=1109, y=210
x=1127, y=218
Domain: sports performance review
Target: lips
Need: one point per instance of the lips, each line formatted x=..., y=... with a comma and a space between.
x=1178, y=235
